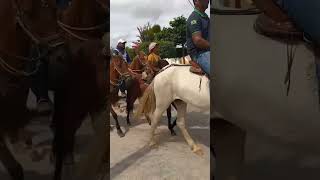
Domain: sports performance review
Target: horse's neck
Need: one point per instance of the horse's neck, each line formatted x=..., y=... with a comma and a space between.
x=43, y=22
x=135, y=65
x=113, y=74
x=82, y=13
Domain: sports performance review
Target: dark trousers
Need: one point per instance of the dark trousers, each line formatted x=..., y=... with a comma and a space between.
x=62, y=3
x=40, y=82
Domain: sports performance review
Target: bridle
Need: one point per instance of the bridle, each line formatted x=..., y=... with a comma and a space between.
x=138, y=71
x=69, y=29
x=122, y=76
x=9, y=68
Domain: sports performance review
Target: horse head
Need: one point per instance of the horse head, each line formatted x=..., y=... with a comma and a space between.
x=39, y=16
x=119, y=71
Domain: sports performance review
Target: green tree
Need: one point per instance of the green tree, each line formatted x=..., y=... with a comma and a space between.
x=147, y=32
x=130, y=52
x=175, y=33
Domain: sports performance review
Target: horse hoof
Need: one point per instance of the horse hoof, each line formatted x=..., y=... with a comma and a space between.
x=152, y=144
x=197, y=150
x=173, y=133
x=120, y=133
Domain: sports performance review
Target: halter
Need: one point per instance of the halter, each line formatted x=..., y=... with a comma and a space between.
x=117, y=81
x=136, y=71
x=9, y=68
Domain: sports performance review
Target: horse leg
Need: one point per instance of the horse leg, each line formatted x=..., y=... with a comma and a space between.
x=156, y=119
x=148, y=119
x=115, y=117
x=170, y=126
x=229, y=145
x=181, y=113
x=91, y=165
x=174, y=123
x=9, y=162
x=63, y=150
x=129, y=107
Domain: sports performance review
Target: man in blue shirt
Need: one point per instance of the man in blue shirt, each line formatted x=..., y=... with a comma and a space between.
x=198, y=45
x=121, y=49
x=62, y=4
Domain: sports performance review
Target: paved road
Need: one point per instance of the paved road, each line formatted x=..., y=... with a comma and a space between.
x=172, y=159
x=42, y=170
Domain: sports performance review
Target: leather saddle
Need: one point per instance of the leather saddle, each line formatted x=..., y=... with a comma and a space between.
x=196, y=69
x=286, y=29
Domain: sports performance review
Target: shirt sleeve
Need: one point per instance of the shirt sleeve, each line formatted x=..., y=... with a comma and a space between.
x=194, y=24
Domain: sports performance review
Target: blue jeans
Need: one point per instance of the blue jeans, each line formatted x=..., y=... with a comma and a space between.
x=305, y=15
x=62, y=3
x=203, y=60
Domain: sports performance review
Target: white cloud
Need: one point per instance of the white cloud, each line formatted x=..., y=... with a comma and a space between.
x=127, y=15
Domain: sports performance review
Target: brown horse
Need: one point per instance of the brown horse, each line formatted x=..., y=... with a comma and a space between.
x=138, y=86
x=84, y=88
x=118, y=73
x=17, y=38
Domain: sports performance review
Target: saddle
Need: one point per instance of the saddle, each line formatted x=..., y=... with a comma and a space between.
x=196, y=69
x=267, y=25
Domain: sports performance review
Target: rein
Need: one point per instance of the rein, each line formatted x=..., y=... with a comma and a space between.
x=9, y=68
x=117, y=82
x=67, y=28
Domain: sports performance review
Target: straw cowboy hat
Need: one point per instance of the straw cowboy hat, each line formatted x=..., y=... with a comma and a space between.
x=152, y=46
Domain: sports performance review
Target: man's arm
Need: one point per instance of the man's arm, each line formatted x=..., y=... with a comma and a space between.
x=199, y=41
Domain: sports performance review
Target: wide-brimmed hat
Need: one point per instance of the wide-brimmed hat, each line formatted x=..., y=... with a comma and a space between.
x=122, y=41
x=152, y=46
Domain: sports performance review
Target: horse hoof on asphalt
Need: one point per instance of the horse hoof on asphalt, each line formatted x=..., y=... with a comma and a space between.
x=197, y=150
x=120, y=133
x=173, y=133
x=152, y=144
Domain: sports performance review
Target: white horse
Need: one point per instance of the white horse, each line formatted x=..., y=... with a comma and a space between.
x=178, y=85
x=249, y=92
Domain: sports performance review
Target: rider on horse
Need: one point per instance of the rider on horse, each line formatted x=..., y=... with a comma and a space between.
x=198, y=45
x=153, y=57
x=121, y=49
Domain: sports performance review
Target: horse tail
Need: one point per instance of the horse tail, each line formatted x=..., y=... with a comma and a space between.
x=147, y=102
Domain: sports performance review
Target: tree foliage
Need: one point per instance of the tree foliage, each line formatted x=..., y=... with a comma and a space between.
x=167, y=37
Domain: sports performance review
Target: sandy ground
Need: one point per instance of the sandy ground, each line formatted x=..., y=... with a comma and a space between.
x=43, y=170
x=171, y=159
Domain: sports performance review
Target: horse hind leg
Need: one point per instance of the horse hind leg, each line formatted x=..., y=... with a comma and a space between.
x=129, y=109
x=9, y=162
x=181, y=113
x=115, y=117
x=156, y=119
x=170, y=126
